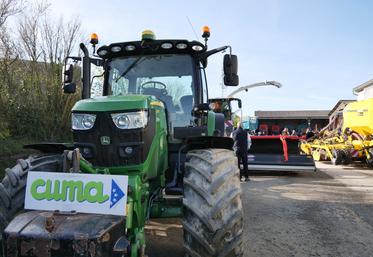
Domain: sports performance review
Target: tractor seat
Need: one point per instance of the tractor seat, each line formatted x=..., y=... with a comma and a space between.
x=184, y=118
x=186, y=103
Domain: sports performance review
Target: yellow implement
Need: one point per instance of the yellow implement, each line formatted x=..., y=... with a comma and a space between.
x=352, y=141
x=358, y=116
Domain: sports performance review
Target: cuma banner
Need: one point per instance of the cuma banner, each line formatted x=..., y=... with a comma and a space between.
x=87, y=193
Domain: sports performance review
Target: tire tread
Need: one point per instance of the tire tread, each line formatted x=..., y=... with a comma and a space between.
x=212, y=204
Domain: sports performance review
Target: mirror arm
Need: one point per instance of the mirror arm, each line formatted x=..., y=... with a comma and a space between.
x=74, y=58
x=205, y=55
x=84, y=49
x=97, y=61
x=86, y=72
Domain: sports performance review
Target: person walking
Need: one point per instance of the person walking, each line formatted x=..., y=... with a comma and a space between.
x=240, y=148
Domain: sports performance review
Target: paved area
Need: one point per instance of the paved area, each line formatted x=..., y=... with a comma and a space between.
x=326, y=213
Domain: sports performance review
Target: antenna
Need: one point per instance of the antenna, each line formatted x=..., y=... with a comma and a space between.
x=191, y=25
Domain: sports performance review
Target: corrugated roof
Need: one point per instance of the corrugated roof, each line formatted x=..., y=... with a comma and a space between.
x=303, y=114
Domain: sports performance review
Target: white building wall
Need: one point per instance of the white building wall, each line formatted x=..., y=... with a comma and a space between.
x=365, y=93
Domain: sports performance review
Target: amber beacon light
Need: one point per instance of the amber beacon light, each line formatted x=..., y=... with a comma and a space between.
x=94, y=39
x=205, y=32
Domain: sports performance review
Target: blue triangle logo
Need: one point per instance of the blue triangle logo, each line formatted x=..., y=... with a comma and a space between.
x=116, y=193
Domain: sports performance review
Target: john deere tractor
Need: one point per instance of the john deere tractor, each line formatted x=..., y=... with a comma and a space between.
x=152, y=124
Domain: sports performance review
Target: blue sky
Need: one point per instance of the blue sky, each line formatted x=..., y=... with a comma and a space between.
x=319, y=50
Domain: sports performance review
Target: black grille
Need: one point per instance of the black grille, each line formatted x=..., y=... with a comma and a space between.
x=89, y=142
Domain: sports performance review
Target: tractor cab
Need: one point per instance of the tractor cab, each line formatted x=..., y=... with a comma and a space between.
x=173, y=71
x=173, y=76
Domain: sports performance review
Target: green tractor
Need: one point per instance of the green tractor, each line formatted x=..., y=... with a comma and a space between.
x=152, y=124
x=226, y=107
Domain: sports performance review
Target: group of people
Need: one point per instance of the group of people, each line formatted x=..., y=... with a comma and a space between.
x=284, y=132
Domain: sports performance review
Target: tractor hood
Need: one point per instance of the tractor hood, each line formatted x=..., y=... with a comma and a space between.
x=115, y=103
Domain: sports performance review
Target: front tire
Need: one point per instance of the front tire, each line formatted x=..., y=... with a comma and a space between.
x=213, y=216
x=12, y=187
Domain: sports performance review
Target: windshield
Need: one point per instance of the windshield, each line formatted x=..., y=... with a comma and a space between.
x=167, y=77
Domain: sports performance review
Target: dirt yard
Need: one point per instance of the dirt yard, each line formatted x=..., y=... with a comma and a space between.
x=326, y=213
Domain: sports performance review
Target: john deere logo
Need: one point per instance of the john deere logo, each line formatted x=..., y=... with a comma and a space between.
x=105, y=140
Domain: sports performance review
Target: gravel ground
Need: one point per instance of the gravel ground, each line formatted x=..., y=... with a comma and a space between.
x=325, y=213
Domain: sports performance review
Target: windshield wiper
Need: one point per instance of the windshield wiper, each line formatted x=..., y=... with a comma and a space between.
x=124, y=73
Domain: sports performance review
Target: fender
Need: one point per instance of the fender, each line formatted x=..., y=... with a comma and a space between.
x=204, y=142
x=215, y=124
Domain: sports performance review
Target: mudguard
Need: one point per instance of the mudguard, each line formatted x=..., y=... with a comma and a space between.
x=209, y=142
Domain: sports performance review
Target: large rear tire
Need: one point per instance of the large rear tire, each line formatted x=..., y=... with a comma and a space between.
x=213, y=216
x=347, y=157
x=369, y=161
x=12, y=187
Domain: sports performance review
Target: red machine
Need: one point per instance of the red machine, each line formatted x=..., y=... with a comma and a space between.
x=278, y=153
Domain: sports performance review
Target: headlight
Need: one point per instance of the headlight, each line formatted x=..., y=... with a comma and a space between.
x=83, y=121
x=130, y=120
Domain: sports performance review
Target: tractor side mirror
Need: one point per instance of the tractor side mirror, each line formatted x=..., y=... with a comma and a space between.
x=69, y=88
x=68, y=73
x=230, y=70
x=67, y=78
x=239, y=103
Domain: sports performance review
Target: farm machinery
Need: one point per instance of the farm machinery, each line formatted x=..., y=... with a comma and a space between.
x=278, y=153
x=266, y=153
x=152, y=126
x=351, y=140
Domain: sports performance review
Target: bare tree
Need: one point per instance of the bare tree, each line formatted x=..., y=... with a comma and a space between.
x=31, y=58
x=8, y=8
x=71, y=34
x=29, y=30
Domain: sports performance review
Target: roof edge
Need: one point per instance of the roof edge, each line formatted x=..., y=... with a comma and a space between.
x=360, y=88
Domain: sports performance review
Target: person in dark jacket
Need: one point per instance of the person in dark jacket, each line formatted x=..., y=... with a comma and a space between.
x=240, y=148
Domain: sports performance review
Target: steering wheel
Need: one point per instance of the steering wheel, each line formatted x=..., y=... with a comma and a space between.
x=163, y=86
